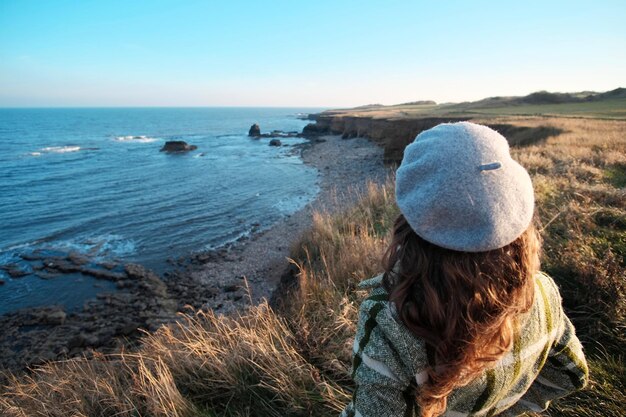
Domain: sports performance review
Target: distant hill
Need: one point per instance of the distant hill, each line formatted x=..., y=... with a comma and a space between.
x=545, y=97
x=617, y=93
x=590, y=104
x=419, y=103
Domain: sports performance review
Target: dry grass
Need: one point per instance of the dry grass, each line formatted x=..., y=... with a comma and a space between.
x=337, y=253
x=296, y=360
x=102, y=386
x=205, y=365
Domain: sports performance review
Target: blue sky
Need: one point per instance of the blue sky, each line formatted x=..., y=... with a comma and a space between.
x=303, y=53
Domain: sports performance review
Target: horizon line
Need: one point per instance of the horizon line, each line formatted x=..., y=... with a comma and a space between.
x=164, y=107
x=293, y=106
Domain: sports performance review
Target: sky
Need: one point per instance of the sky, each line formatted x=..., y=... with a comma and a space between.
x=319, y=53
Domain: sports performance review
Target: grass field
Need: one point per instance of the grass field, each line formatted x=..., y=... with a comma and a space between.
x=605, y=109
x=294, y=359
x=609, y=109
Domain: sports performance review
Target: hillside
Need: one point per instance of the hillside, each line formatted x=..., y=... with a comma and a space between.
x=608, y=105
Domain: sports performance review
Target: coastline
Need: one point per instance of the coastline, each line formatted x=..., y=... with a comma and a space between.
x=345, y=166
x=207, y=280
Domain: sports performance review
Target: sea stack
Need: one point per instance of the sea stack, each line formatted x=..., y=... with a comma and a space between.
x=177, y=146
x=255, y=131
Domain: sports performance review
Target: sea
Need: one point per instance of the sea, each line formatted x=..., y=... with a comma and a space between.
x=92, y=181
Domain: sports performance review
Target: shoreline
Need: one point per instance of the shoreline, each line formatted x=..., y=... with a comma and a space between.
x=344, y=166
x=206, y=280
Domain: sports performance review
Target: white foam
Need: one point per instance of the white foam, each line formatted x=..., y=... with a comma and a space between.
x=21, y=246
x=100, y=247
x=60, y=149
x=292, y=204
x=136, y=139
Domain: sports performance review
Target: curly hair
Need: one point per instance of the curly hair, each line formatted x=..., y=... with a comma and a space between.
x=464, y=305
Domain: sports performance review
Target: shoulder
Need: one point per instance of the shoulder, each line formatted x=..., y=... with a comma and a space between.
x=549, y=286
x=376, y=305
x=380, y=324
x=373, y=282
x=548, y=292
x=548, y=313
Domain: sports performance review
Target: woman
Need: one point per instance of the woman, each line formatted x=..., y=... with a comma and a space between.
x=462, y=323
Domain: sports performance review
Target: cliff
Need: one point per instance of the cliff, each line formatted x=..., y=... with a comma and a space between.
x=392, y=134
x=394, y=127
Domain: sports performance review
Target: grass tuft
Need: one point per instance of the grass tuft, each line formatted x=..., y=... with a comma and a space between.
x=616, y=175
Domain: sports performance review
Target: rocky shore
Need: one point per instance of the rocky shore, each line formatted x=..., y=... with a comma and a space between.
x=250, y=270
x=107, y=323
x=224, y=280
x=392, y=133
x=393, y=128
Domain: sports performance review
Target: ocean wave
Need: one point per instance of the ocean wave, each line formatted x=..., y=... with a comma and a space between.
x=60, y=149
x=98, y=248
x=231, y=238
x=137, y=139
x=292, y=204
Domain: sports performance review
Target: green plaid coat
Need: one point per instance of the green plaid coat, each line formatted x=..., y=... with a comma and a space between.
x=390, y=364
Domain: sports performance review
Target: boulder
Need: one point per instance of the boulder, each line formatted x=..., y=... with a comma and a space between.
x=108, y=265
x=47, y=275
x=255, y=131
x=56, y=264
x=1, y=281
x=314, y=129
x=102, y=273
x=55, y=317
x=33, y=256
x=14, y=270
x=136, y=271
x=230, y=288
x=77, y=258
x=275, y=142
x=176, y=146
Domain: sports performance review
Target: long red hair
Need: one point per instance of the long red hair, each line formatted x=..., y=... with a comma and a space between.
x=463, y=305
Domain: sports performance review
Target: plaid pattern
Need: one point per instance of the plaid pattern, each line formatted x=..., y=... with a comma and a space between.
x=389, y=363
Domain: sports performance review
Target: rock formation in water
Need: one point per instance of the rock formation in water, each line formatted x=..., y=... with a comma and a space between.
x=255, y=131
x=176, y=146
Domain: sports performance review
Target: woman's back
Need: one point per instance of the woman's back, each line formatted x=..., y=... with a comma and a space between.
x=390, y=363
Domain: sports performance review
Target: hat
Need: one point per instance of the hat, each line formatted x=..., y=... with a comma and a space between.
x=459, y=188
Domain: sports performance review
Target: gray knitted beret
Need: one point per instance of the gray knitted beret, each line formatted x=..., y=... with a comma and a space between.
x=459, y=188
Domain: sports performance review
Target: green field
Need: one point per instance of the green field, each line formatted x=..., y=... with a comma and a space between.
x=613, y=107
x=609, y=109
